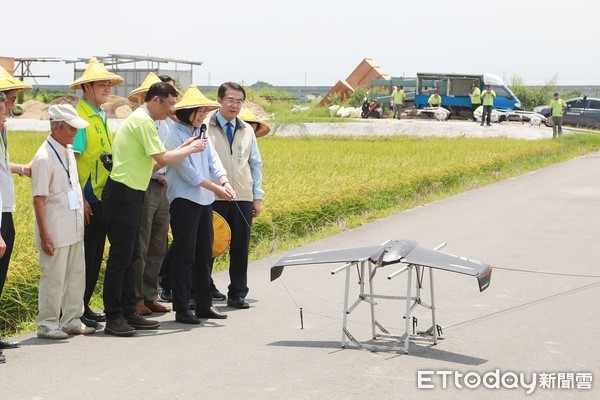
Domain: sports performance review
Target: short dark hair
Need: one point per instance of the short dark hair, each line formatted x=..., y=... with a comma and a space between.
x=230, y=85
x=165, y=78
x=160, y=89
x=185, y=114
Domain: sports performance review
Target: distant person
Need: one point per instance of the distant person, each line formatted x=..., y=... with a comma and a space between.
x=89, y=144
x=488, y=103
x=154, y=221
x=398, y=98
x=193, y=184
x=235, y=143
x=59, y=227
x=475, y=96
x=9, y=89
x=435, y=100
x=137, y=151
x=558, y=106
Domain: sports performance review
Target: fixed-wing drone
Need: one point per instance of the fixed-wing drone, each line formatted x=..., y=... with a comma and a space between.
x=415, y=259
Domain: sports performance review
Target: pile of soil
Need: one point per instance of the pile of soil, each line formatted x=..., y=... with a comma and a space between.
x=115, y=107
x=257, y=110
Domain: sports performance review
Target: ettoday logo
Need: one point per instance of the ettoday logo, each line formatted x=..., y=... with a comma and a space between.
x=504, y=380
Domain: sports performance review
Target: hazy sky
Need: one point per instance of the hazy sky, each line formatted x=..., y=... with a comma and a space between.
x=284, y=42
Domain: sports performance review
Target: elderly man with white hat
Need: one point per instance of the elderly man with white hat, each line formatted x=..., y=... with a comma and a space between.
x=9, y=89
x=58, y=206
x=90, y=142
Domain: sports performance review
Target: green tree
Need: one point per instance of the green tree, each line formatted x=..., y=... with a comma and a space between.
x=532, y=97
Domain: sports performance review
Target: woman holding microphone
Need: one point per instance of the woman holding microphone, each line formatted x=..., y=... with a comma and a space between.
x=191, y=191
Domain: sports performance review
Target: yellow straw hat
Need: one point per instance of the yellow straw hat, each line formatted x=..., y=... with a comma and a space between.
x=137, y=93
x=222, y=234
x=247, y=116
x=94, y=72
x=7, y=82
x=193, y=98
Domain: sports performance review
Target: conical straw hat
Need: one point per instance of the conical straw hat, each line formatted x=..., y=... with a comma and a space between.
x=94, y=72
x=193, y=98
x=137, y=93
x=247, y=116
x=7, y=82
x=222, y=234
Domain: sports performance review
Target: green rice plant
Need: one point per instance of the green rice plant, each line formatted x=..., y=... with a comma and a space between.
x=315, y=187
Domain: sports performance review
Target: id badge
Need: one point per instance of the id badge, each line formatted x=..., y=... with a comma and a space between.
x=74, y=202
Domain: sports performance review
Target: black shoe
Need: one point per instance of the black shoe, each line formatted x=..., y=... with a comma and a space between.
x=165, y=295
x=137, y=321
x=212, y=313
x=89, y=322
x=218, y=296
x=186, y=317
x=8, y=345
x=481, y=124
x=238, y=302
x=2, y=358
x=96, y=316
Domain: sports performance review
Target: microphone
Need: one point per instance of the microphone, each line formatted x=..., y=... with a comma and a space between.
x=202, y=133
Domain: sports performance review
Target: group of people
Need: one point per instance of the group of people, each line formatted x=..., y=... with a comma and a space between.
x=173, y=162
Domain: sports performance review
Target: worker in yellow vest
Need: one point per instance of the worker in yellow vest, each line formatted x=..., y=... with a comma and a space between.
x=398, y=99
x=475, y=96
x=558, y=106
x=488, y=103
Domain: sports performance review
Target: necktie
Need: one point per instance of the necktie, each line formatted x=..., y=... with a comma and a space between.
x=229, y=132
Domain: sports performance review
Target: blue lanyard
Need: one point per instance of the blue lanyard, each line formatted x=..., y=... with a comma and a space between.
x=61, y=163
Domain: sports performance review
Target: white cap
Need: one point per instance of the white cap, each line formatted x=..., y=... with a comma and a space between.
x=66, y=113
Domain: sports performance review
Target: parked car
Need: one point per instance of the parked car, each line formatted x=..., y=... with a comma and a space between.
x=581, y=111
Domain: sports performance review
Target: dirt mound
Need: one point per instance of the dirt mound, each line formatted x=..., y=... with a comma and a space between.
x=33, y=109
x=115, y=107
x=257, y=110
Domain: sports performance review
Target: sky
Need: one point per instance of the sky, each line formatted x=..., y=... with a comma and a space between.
x=312, y=42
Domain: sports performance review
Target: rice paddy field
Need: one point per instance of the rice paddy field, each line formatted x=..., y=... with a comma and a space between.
x=315, y=187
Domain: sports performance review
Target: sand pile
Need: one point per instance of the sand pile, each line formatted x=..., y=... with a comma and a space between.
x=115, y=107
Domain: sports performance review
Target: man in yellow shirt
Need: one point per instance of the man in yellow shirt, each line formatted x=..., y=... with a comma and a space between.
x=558, y=106
x=475, y=96
x=488, y=103
x=398, y=98
x=435, y=100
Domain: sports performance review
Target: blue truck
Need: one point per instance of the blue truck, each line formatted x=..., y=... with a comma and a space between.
x=455, y=90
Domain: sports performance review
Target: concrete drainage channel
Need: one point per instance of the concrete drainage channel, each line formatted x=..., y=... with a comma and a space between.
x=381, y=127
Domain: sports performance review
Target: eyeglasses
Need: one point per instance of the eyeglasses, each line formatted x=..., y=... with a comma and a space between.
x=170, y=105
x=231, y=101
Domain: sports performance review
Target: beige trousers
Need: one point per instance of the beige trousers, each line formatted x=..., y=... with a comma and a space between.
x=62, y=284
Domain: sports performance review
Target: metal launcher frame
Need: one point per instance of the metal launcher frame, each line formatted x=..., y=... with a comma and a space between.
x=379, y=332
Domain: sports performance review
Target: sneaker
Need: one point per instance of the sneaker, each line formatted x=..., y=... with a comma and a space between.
x=76, y=327
x=139, y=322
x=46, y=333
x=118, y=327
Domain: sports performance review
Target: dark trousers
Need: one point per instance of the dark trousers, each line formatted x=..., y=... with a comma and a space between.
x=473, y=108
x=191, y=254
x=94, y=239
x=164, y=277
x=122, y=208
x=8, y=234
x=487, y=111
x=238, y=215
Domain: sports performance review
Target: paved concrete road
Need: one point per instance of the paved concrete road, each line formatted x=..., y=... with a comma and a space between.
x=539, y=230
